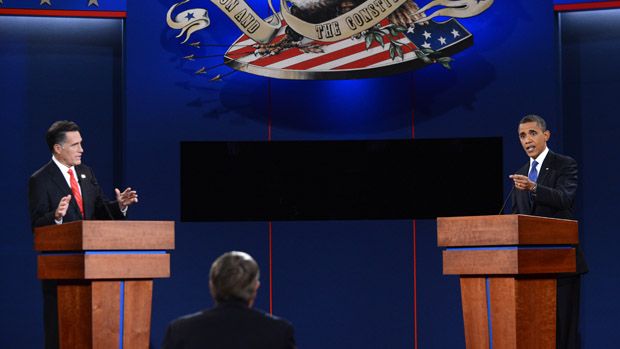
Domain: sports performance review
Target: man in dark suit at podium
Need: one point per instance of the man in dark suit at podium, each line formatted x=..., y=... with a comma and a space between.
x=65, y=190
x=232, y=323
x=546, y=186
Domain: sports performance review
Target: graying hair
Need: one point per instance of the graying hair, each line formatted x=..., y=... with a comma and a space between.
x=234, y=275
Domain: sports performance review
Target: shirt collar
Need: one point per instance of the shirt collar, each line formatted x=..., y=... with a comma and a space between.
x=62, y=167
x=539, y=160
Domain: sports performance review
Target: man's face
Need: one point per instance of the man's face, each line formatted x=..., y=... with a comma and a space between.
x=70, y=152
x=533, y=138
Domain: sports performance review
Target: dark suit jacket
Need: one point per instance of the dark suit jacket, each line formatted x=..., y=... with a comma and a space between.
x=555, y=193
x=47, y=186
x=230, y=325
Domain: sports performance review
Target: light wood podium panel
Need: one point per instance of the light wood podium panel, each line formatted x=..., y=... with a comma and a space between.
x=104, y=272
x=508, y=265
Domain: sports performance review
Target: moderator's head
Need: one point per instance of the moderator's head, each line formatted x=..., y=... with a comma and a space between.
x=234, y=275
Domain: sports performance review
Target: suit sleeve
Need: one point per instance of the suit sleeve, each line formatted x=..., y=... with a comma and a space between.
x=41, y=211
x=561, y=194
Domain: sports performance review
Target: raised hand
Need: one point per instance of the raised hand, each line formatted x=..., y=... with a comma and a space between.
x=126, y=198
x=63, y=205
x=522, y=182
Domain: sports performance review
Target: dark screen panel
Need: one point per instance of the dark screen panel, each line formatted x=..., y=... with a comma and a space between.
x=323, y=180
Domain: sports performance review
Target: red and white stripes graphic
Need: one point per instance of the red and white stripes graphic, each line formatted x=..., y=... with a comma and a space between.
x=348, y=54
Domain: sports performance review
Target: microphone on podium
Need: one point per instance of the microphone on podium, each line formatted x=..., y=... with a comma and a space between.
x=507, y=197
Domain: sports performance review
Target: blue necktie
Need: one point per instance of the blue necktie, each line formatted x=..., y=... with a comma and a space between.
x=533, y=176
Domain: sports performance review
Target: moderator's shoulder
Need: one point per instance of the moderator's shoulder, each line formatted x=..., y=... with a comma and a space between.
x=188, y=319
x=193, y=316
x=276, y=320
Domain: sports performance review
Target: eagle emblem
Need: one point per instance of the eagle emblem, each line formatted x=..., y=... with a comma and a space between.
x=339, y=39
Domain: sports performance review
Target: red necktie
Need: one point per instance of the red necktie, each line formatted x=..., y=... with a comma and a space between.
x=76, y=192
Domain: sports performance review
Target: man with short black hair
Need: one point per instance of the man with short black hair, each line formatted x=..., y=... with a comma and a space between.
x=546, y=186
x=65, y=190
x=232, y=323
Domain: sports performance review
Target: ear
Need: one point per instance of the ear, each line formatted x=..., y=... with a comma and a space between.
x=547, y=134
x=212, y=290
x=57, y=148
x=253, y=298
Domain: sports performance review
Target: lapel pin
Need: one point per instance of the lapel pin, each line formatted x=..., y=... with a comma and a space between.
x=83, y=176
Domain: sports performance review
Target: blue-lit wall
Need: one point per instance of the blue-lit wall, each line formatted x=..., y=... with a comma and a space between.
x=50, y=68
x=342, y=283
x=591, y=82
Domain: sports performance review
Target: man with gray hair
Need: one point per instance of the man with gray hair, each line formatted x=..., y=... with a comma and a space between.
x=232, y=323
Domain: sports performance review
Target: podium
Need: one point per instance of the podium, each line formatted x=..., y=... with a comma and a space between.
x=508, y=265
x=104, y=272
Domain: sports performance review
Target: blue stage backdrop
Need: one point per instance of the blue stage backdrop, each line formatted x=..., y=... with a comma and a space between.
x=590, y=107
x=50, y=69
x=353, y=284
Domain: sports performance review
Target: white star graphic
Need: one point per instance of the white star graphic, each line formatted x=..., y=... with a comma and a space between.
x=410, y=30
x=426, y=45
x=455, y=33
x=427, y=35
x=46, y=2
x=442, y=40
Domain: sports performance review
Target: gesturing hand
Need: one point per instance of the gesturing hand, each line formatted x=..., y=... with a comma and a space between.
x=522, y=182
x=63, y=205
x=126, y=198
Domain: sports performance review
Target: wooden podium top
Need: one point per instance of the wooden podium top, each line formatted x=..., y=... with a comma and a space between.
x=507, y=245
x=500, y=230
x=105, y=235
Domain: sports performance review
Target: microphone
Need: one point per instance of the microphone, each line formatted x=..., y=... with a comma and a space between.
x=505, y=201
x=93, y=182
x=107, y=209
